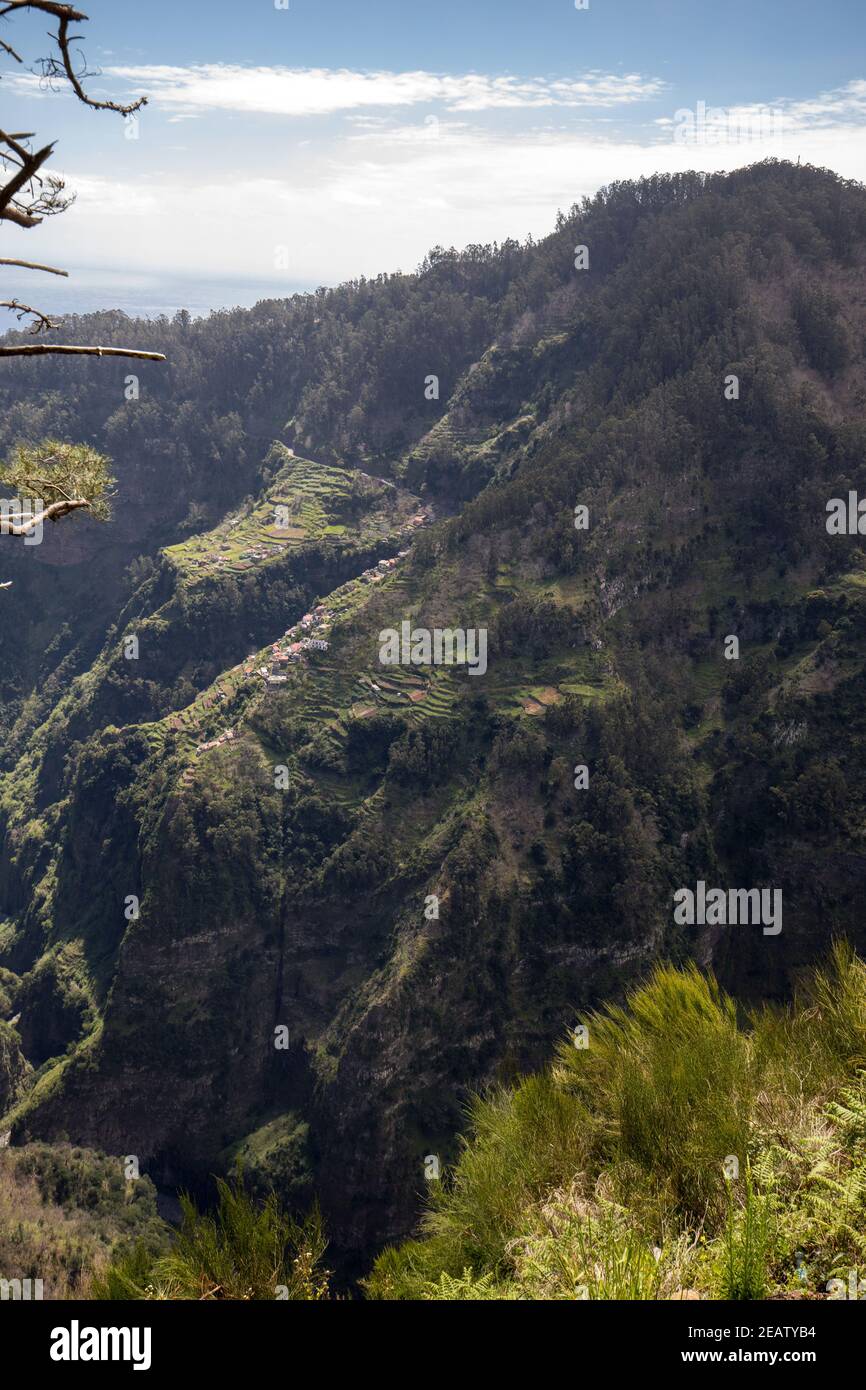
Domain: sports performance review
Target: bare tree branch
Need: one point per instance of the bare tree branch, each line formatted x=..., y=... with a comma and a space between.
x=59, y=68
x=20, y=217
x=34, y=265
x=51, y=68
x=29, y=165
x=39, y=349
x=46, y=6
x=63, y=67
x=41, y=322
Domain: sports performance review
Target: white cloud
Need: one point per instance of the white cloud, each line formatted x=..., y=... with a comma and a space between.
x=842, y=106
x=27, y=84
x=348, y=210
x=323, y=91
x=376, y=191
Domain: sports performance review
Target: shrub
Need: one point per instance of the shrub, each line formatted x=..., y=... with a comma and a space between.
x=240, y=1251
x=603, y=1177
x=670, y=1081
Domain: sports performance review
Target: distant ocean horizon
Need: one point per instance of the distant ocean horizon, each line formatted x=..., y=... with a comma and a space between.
x=89, y=291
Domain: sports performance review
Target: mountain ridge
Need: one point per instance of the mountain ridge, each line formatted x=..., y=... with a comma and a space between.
x=304, y=907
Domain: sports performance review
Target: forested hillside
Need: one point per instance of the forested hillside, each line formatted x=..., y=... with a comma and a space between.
x=364, y=892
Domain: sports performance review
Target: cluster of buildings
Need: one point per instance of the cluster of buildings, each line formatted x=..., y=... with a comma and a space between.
x=257, y=552
x=212, y=557
x=225, y=737
x=262, y=551
x=305, y=636
x=379, y=570
x=310, y=634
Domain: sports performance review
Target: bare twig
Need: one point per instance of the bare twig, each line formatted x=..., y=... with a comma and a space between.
x=63, y=67
x=59, y=68
x=46, y=6
x=39, y=349
x=29, y=165
x=52, y=69
x=41, y=321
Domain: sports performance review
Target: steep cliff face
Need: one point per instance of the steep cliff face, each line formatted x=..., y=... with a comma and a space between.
x=301, y=915
x=13, y=1066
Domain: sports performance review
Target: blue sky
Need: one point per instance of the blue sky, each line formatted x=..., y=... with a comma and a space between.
x=284, y=148
x=734, y=47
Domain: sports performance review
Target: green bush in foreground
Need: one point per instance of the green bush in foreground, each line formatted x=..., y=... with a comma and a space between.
x=684, y=1148
x=243, y=1250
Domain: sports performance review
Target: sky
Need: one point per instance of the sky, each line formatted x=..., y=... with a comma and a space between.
x=288, y=144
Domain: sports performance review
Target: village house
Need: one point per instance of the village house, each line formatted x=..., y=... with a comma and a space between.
x=224, y=737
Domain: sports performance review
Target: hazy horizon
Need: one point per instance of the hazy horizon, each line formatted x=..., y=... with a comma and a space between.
x=144, y=296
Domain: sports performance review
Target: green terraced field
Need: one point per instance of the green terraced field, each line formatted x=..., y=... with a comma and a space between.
x=315, y=498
